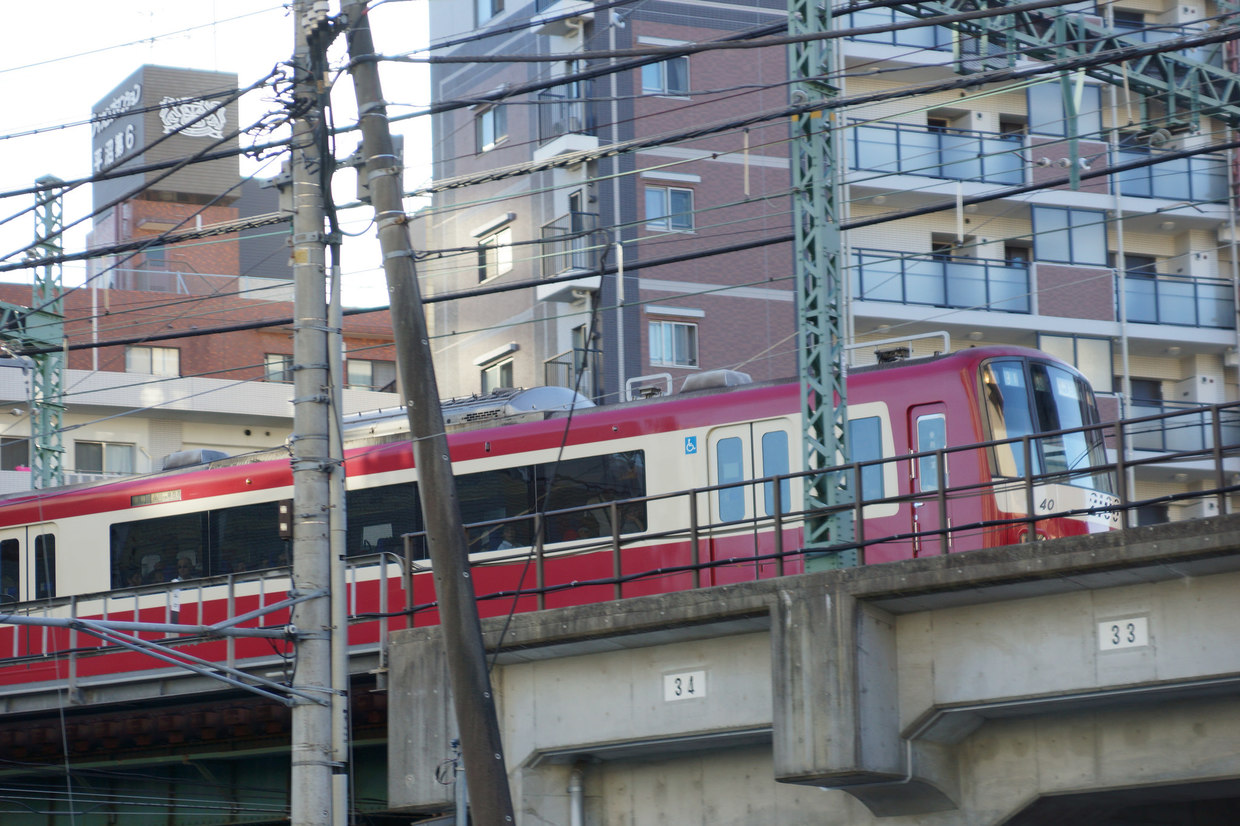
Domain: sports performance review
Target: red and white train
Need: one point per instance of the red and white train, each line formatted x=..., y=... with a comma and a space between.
x=601, y=497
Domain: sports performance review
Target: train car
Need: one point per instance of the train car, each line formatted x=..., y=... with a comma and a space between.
x=570, y=503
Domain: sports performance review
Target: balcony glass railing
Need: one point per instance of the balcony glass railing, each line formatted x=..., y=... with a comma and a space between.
x=1182, y=427
x=568, y=243
x=927, y=37
x=563, y=111
x=882, y=275
x=1202, y=178
x=958, y=155
x=1211, y=54
x=1179, y=300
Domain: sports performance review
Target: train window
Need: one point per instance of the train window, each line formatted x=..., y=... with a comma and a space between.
x=1064, y=402
x=865, y=441
x=931, y=435
x=775, y=463
x=494, y=495
x=10, y=570
x=731, y=461
x=379, y=517
x=243, y=538
x=45, y=565
x=1007, y=403
x=592, y=482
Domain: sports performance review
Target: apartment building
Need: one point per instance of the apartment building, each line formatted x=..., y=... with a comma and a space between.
x=152, y=393
x=1129, y=276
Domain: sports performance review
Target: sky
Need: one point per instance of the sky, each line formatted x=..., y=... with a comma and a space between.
x=61, y=57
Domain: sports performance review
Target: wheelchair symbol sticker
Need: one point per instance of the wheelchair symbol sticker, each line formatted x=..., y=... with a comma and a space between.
x=690, y=445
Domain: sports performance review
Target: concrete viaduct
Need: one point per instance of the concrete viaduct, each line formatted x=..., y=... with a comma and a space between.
x=1085, y=681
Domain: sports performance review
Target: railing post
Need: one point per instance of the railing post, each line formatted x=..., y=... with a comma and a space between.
x=613, y=514
x=73, y=638
x=945, y=535
x=1026, y=447
x=859, y=514
x=407, y=579
x=1220, y=479
x=693, y=539
x=1121, y=474
x=777, y=500
x=540, y=562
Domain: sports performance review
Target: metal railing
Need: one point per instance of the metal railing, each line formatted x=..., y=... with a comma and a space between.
x=1201, y=178
x=1177, y=427
x=677, y=540
x=564, y=111
x=565, y=369
x=1180, y=300
x=955, y=154
x=569, y=243
x=926, y=37
x=939, y=281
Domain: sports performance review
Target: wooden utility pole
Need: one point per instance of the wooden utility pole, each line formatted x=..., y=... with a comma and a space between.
x=491, y=800
x=312, y=765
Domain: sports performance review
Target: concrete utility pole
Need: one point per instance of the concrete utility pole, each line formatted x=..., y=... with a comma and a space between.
x=471, y=687
x=312, y=765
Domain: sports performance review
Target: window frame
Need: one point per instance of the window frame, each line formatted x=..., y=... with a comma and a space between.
x=487, y=10
x=667, y=220
x=495, y=253
x=1067, y=346
x=490, y=128
x=284, y=375
x=1072, y=228
x=656, y=79
x=153, y=357
x=655, y=333
x=372, y=383
x=497, y=369
x=106, y=449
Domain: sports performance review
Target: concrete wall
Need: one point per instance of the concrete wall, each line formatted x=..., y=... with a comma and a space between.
x=981, y=688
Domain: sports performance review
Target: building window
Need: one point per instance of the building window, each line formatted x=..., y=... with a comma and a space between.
x=673, y=343
x=671, y=77
x=14, y=453
x=1070, y=236
x=497, y=375
x=1092, y=356
x=490, y=127
x=278, y=367
x=487, y=9
x=495, y=254
x=103, y=457
x=158, y=361
x=669, y=208
x=1049, y=112
x=370, y=375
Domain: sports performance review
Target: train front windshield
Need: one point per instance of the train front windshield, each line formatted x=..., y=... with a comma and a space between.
x=1025, y=398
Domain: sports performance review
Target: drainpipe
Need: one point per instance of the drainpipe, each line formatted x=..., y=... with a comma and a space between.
x=576, y=795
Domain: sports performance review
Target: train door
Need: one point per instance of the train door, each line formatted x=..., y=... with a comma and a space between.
x=741, y=513
x=928, y=432
x=27, y=572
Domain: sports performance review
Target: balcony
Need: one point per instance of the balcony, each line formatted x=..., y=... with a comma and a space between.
x=1202, y=178
x=1179, y=427
x=958, y=155
x=927, y=37
x=563, y=111
x=1180, y=301
x=937, y=281
x=574, y=369
x=1211, y=55
x=568, y=244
